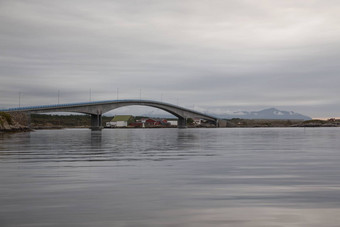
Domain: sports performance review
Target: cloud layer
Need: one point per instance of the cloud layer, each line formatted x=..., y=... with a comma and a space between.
x=211, y=54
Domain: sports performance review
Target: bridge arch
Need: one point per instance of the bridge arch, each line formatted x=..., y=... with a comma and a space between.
x=96, y=109
x=105, y=110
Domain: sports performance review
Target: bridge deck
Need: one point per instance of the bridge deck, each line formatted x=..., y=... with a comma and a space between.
x=67, y=106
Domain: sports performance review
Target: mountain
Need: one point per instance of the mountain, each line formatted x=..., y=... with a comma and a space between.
x=270, y=113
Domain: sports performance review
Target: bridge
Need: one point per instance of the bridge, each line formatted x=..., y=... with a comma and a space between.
x=98, y=108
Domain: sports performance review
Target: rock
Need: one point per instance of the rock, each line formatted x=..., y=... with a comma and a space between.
x=13, y=122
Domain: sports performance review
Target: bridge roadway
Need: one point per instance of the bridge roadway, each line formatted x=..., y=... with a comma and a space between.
x=97, y=108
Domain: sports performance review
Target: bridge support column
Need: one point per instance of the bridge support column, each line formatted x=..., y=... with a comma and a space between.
x=96, y=122
x=221, y=123
x=182, y=122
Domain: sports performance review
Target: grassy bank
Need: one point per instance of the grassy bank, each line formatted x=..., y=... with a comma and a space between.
x=5, y=118
x=62, y=121
x=252, y=123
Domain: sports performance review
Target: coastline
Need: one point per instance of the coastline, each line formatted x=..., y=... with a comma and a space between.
x=20, y=122
x=14, y=122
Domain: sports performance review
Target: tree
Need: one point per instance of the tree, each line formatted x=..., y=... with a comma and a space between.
x=190, y=121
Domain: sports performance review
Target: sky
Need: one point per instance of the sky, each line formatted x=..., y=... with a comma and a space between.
x=215, y=56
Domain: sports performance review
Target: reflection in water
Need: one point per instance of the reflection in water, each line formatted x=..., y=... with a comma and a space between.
x=170, y=177
x=96, y=139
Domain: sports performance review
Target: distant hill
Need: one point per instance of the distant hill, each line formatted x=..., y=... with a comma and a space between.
x=270, y=113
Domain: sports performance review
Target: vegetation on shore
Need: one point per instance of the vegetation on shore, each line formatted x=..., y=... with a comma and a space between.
x=13, y=122
x=39, y=121
x=75, y=121
x=252, y=123
x=320, y=123
x=5, y=118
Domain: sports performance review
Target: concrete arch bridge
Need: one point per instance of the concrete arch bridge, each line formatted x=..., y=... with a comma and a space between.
x=96, y=109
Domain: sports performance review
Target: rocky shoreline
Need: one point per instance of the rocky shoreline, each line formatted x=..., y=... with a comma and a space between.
x=14, y=122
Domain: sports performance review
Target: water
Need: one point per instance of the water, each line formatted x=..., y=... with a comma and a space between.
x=170, y=177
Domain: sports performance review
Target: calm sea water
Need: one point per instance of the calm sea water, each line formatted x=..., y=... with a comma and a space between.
x=171, y=177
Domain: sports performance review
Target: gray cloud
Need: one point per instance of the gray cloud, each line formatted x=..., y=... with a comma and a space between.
x=210, y=54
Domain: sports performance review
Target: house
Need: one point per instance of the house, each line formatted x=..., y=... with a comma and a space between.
x=136, y=125
x=197, y=121
x=155, y=123
x=164, y=122
x=150, y=122
x=172, y=122
x=120, y=121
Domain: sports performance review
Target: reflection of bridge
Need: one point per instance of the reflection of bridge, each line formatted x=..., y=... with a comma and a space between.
x=96, y=109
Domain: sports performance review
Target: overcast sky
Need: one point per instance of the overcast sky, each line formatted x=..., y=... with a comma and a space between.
x=213, y=55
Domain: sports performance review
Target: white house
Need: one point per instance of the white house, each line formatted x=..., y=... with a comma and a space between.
x=173, y=122
x=120, y=121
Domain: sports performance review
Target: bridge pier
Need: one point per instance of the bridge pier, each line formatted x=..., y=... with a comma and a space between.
x=182, y=122
x=96, y=122
x=221, y=123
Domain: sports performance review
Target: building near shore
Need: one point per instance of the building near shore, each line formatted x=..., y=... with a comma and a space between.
x=150, y=122
x=173, y=122
x=120, y=121
x=197, y=121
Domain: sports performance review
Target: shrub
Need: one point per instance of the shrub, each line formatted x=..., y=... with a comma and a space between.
x=7, y=118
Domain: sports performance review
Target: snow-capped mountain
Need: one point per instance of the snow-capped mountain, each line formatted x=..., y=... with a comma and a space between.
x=270, y=113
